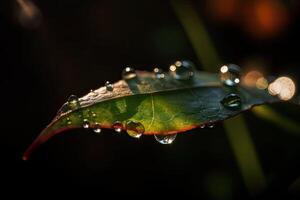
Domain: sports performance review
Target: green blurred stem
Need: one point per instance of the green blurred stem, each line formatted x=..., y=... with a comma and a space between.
x=236, y=129
x=197, y=34
x=269, y=114
x=244, y=151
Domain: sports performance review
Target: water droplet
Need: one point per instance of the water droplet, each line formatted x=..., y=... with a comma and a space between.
x=118, y=126
x=109, y=86
x=182, y=70
x=211, y=125
x=128, y=73
x=202, y=126
x=232, y=101
x=97, y=128
x=165, y=139
x=73, y=102
x=159, y=73
x=230, y=74
x=86, y=124
x=94, y=114
x=69, y=121
x=135, y=129
x=94, y=93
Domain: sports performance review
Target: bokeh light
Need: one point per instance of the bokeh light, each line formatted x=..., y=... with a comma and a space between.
x=284, y=87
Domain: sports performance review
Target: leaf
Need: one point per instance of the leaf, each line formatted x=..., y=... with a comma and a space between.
x=162, y=105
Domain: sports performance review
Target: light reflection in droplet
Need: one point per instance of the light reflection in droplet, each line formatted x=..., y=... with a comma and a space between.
x=224, y=69
x=173, y=68
x=284, y=87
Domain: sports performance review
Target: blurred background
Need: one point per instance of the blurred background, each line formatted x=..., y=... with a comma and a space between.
x=51, y=49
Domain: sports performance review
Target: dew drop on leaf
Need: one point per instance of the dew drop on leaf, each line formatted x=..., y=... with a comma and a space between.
x=182, y=70
x=73, y=102
x=97, y=128
x=165, y=139
x=94, y=94
x=118, y=126
x=69, y=121
x=135, y=129
x=159, y=73
x=230, y=74
x=232, y=101
x=86, y=124
x=210, y=125
x=128, y=73
x=109, y=87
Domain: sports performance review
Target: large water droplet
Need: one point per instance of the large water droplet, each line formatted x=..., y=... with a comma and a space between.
x=86, y=124
x=109, y=86
x=118, y=126
x=165, y=139
x=159, y=73
x=128, y=73
x=73, y=102
x=202, y=126
x=135, y=129
x=230, y=74
x=97, y=128
x=232, y=101
x=182, y=70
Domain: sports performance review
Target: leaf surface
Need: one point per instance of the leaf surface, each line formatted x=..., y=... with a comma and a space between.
x=162, y=105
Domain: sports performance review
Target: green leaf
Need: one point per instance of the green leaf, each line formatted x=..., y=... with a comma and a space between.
x=160, y=105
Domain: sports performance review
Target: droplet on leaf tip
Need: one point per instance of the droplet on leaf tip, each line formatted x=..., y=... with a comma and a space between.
x=73, y=102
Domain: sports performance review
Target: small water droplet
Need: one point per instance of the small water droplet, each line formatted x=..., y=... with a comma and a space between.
x=230, y=74
x=159, y=73
x=94, y=93
x=97, y=128
x=86, y=124
x=211, y=125
x=69, y=121
x=202, y=126
x=232, y=101
x=135, y=129
x=94, y=114
x=182, y=70
x=165, y=139
x=128, y=73
x=118, y=126
x=73, y=102
x=109, y=86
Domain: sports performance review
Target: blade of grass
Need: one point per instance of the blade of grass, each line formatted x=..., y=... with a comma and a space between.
x=236, y=129
x=197, y=34
x=269, y=114
x=244, y=151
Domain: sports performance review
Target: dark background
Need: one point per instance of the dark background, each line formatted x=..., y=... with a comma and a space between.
x=73, y=46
